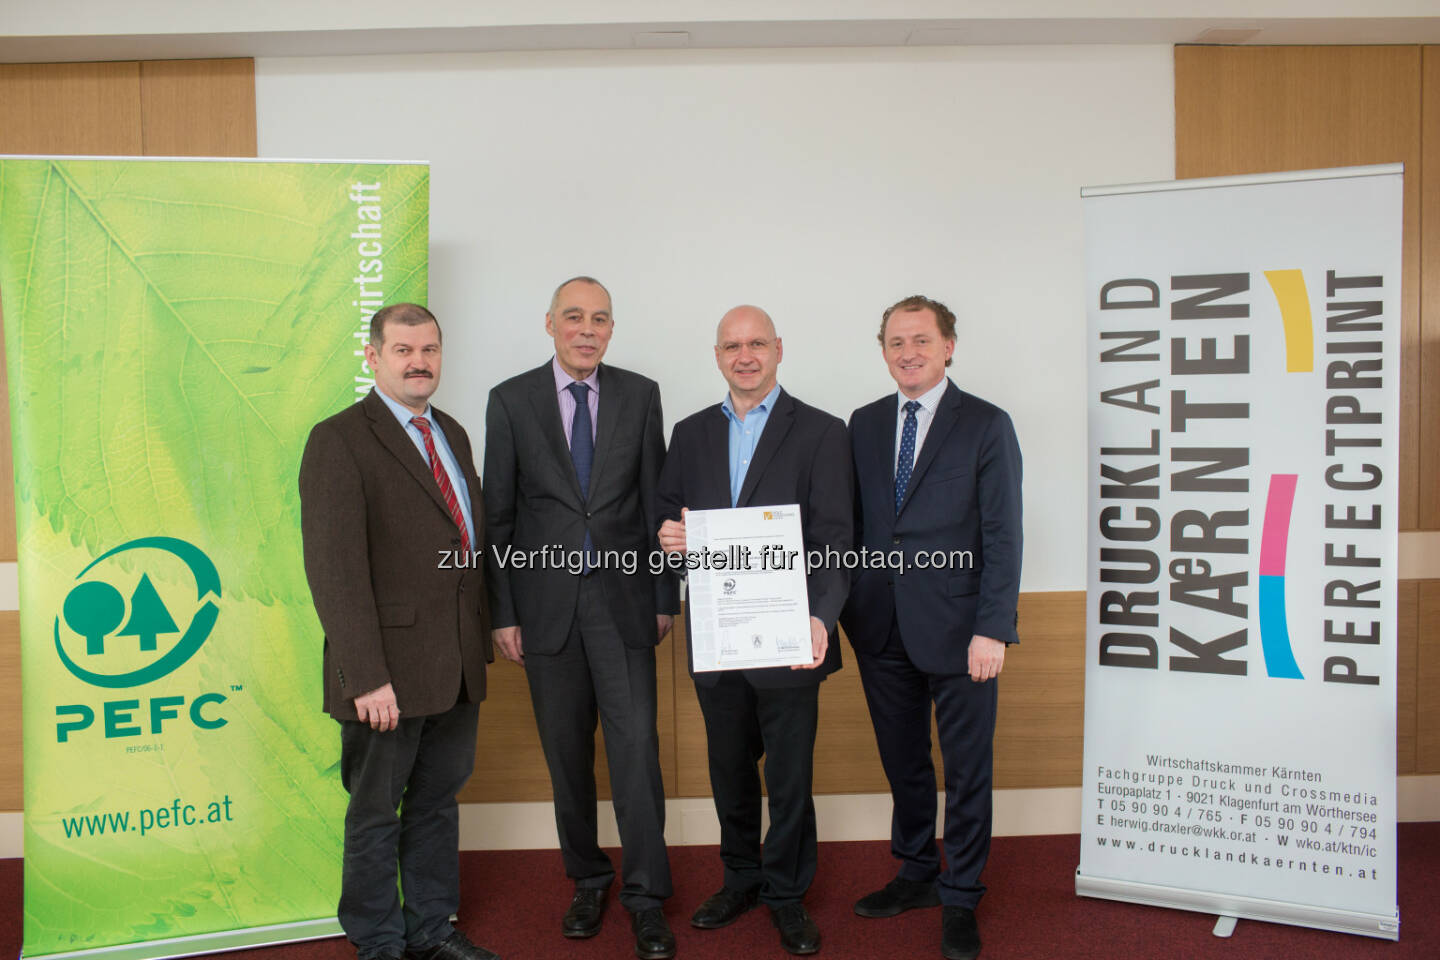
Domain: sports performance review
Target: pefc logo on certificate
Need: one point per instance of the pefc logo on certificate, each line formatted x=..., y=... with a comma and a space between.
x=747, y=598
x=1240, y=679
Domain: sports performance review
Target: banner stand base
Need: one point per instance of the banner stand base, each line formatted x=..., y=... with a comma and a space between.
x=1384, y=927
x=1224, y=926
x=219, y=942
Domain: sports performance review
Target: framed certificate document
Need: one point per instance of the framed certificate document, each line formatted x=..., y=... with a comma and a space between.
x=748, y=605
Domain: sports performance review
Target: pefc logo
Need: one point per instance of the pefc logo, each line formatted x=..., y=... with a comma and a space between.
x=108, y=649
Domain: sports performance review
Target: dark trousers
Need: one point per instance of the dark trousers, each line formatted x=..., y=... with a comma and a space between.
x=596, y=675
x=418, y=768
x=742, y=724
x=899, y=696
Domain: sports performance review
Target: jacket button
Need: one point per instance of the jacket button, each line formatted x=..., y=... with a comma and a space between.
x=896, y=539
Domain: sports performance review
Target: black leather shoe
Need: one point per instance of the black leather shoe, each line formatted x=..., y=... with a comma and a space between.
x=959, y=934
x=653, y=939
x=722, y=908
x=587, y=909
x=454, y=947
x=798, y=933
x=897, y=896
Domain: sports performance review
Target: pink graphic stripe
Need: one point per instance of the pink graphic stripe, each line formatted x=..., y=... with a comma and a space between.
x=1276, y=533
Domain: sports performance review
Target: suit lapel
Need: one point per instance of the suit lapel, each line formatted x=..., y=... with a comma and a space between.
x=885, y=452
x=715, y=448
x=947, y=414
x=393, y=437
x=546, y=403
x=611, y=401
x=776, y=428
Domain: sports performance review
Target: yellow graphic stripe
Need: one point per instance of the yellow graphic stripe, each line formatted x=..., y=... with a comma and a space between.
x=1289, y=288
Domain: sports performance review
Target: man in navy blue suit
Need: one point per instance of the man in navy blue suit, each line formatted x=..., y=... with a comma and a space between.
x=937, y=475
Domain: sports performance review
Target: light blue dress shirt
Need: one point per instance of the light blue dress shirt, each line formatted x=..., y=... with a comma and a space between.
x=442, y=447
x=744, y=436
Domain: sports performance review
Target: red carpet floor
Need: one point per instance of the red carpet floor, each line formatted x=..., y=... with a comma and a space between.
x=513, y=902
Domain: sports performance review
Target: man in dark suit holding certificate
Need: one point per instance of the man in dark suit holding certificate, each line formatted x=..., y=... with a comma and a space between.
x=938, y=480
x=390, y=511
x=762, y=447
x=572, y=455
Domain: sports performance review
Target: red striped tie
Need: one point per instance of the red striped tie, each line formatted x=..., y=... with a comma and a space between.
x=452, y=503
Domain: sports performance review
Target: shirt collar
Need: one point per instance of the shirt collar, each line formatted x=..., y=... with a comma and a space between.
x=766, y=405
x=563, y=379
x=930, y=399
x=402, y=412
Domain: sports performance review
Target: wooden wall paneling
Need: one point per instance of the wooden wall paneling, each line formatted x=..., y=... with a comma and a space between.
x=1039, y=734
x=1039, y=730
x=509, y=765
x=1427, y=676
x=1429, y=372
x=1263, y=109
x=846, y=757
x=70, y=108
x=198, y=108
x=1407, y=684
x=665, y=683
x=692, y=769
x=12, y=795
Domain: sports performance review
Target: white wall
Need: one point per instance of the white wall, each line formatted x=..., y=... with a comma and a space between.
x=822, y=185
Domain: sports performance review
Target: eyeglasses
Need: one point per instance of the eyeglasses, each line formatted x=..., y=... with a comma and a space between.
x=732, y=348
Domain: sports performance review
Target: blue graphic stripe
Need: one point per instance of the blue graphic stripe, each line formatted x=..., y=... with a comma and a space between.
x=1274, y=633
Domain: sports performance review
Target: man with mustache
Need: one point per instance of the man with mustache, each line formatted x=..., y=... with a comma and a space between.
x=572, y=454
x=388, y=486
x=937, y=472
x=762, y=447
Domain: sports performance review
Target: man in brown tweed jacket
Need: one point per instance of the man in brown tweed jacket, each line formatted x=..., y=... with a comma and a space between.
x=391, y=509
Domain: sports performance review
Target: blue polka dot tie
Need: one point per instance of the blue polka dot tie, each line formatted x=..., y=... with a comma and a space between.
x=907, y=452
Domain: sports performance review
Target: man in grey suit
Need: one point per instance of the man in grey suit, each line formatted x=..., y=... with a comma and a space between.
x=573, y=451
x=388, y=487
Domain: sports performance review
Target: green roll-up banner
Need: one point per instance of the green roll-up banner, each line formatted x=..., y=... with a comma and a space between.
x=173, y=329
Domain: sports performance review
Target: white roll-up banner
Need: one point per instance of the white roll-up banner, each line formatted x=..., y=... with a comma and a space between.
x=1244, y=385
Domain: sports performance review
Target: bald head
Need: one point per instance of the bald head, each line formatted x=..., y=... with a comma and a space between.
x=746, y=316
x=748, y=353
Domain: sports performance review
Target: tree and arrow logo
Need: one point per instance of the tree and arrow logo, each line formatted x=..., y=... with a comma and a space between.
x=95, y=610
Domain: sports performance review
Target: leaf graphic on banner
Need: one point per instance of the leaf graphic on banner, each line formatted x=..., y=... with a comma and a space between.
x=173, y=330
x=176, y=341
